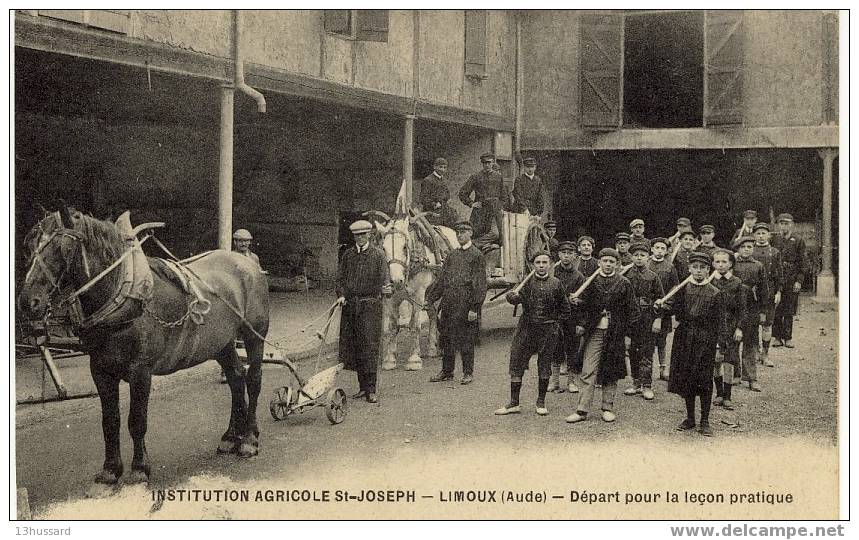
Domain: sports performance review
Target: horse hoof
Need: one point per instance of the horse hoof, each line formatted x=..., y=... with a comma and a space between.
x=106, y=477
x=138, y=477
x=247, y=450
x=389, y=367
x=416, y=366
x=228, y=447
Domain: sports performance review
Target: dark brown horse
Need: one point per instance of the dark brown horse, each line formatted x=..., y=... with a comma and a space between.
x=157, y=331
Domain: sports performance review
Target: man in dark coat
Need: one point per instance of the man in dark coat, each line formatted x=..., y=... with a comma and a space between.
x=435, y=196
x=608, y=306
x=770, y=257
x=566, y=357
x=545, y=309
x=647, y=289
x=484, y=192
x=755, y=279
x=362, y=279
x=700, y=309
x=794, y=264
x=668, y=277
x=528, y=189
x=461, y=287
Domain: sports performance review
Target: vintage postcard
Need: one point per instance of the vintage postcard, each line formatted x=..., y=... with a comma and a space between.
x=560, y=264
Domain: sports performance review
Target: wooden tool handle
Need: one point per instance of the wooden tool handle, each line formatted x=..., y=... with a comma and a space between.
x=587, y=282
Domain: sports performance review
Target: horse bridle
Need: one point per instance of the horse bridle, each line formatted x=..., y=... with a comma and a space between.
x=394, y=260
x=38, y=261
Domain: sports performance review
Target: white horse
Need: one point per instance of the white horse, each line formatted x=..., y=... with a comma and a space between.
x=413, y=266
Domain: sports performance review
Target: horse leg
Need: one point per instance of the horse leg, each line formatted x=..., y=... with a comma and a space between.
x=107, y=385
x=414, y=362
x=229, y=360
x=253, y=380
x=389, y=336
x=432, y=332
x=139, y=383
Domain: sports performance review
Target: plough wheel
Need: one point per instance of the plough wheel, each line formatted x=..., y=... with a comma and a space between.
x=281, y=404
x=336, y=408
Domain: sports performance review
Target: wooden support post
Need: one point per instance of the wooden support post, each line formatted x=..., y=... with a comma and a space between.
x=408, y=158
x=48, y=360
x=225, y=174
x=826, y=278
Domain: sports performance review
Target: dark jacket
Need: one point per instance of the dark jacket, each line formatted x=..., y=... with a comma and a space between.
x=544, y=300
x=461, y=286
x=647, y=288
x=794, y=259
x=735, y=305
x=587, y=267
x=433, y=190
x=485, y=185
x=754, y=277
x=770, y=257
x=614, y=295
x=528, y=194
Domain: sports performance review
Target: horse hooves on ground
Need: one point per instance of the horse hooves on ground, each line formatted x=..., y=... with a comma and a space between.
x=137, y=477
x=389, y=367
x=247, y=450
x=100, y=490
x=414, y=367
x=228, y=447
x=106, y=477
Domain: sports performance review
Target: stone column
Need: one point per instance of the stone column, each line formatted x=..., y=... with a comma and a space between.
x=826, y=279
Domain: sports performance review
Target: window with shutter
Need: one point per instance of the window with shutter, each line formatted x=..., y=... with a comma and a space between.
x=113, y=20
x=601, y=61
x=372, y=25
x=475, y=43
x=338, y=21
x=723, y=66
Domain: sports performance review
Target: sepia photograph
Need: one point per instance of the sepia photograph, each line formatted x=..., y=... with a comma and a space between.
x=428, y=264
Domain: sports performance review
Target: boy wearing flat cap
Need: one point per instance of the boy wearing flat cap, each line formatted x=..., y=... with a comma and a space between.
x=608, y=308
x=621, y=244
x=683, y=224
x=668, y=278
x=770, y=257
x=707, y=232
x=647, y=289
x=545, y=309
x=528, y=189
x=700, y=309
x=485, y=194
x=435, y=196
x=566, y=353
x=636, y=232
x=586, y=263
x=794, y=262
x=551, y=231
x=461, y=287
x=682, y=253
x=362, y=280
x=750, y=217
x=755, y=279
x=728, y=355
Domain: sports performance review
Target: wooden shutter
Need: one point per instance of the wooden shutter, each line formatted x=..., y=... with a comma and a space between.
x=475, y=43
x=723, y=67
x=105, y=19
x=372, y=25
x=338, y=21
x=830, y=68
x=601, y=61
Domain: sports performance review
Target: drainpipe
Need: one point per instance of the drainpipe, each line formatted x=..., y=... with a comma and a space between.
x=225, y=173
x=517, y=135
x=239, y=62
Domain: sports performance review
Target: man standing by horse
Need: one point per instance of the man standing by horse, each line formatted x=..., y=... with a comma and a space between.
x=487, y=187
x=242, y=240
x=528, y=189
x=362, y=279
x=461, y=287
x=435, y=196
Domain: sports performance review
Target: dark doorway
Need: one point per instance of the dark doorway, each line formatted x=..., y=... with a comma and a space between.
x=663, y=75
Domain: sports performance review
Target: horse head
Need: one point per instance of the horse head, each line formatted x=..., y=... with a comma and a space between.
x=395, y=242
x=58, y=248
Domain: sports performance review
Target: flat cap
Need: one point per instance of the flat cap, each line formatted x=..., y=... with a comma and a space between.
x=609, y=252
x=584, y=238
x=550, y=225
x=361, y=226
x=750, y=214
x=636, y=221
x=242, y=234
x=622, y=236
x=686, y=233
x=706, y=229
x=742, y=240
x=784, y=217
x=659, y=240
x=684, y=221
x=639, y=246
x=761, y=225
x=701, y=257
x=439, y=161
x=487, y=156
x=462, y=226
x=566, y=245
x=529, y=161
